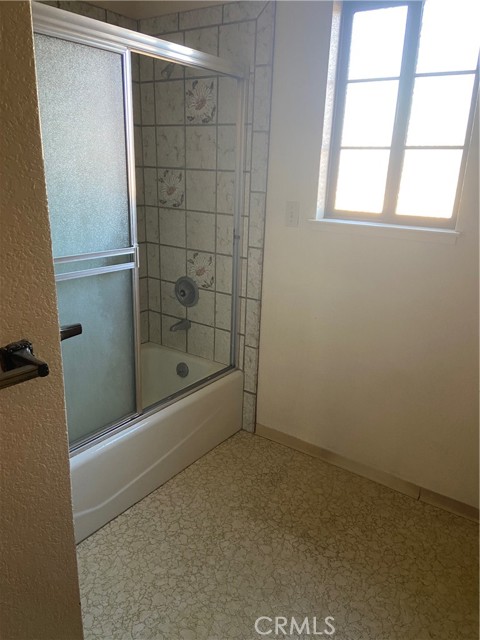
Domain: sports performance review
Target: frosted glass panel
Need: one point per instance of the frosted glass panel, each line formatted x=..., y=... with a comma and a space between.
x=83, y=132
x=429, y=183
x=450, y=36
x=361, y=180
x=377, y=43
x=440, y=109
x=369, y=114
x=98, y=365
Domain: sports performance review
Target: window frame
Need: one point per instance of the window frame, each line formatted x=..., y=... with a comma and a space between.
x=398, y=145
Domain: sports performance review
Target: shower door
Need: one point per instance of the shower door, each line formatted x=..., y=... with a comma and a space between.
x=83, y=93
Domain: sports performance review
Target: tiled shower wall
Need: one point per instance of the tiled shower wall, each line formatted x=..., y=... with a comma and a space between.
x=185, y=149
x=195, y=236
x=241, y=31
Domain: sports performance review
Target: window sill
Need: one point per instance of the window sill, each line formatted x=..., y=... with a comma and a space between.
x=422, y=234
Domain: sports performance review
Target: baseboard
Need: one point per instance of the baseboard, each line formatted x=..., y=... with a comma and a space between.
x=388, y=480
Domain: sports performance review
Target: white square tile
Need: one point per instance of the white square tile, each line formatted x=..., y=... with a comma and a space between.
x=201, y=341
x=143, y=293
x=170, y=146
x=151, y=224
x=226, y=148
x=170, y=304
x=143, y=269
x=137, y=139
x=250, y=369
x=136, y=67
x=224, y=274
x=148, y=103
x=165, y=70
x=144, y=327
x=261, y=114
x=238, y=11
x=137, y=104
x=154, y=301
x=172, y=227
x=252, y=323
x=154, y=327
x=249, y=412
x=222, y=346
x=204, y=39
x=201, y=145
x=200, y=190
x=139, y=183
x=265, y=31
x=241, y=352
x=204, y=310
x=200, y=17
x=237, y=42
x=254, y=276
x=169, y=102
x=225, y=191
x=150, y=181
x=121, y=21
x=172, y=263
x=257, y=220
x=243, y=307
x=225, y=234
x=201, y=231
x=227, y=100
x=159, y=24
x=223, y=311
x=153, y=260
x=146, y=68
x=259, y=161
x=141, y=235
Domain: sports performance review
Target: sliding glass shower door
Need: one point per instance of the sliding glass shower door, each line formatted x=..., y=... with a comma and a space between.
x=82, y=108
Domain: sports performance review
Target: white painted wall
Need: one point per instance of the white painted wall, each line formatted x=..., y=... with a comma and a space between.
x=369, y=345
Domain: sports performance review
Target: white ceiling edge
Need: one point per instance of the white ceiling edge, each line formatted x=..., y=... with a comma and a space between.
x=139, y=9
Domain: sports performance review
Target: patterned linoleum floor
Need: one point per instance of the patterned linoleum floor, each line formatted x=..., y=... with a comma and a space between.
x=256, y=529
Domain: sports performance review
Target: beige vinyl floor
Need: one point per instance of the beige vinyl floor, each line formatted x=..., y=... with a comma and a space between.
x=256, y=529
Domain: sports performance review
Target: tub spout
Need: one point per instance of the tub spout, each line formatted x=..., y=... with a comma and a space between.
x=181, y=325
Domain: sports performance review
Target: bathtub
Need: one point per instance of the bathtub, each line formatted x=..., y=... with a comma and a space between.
x=113, y=474
x=159, y=375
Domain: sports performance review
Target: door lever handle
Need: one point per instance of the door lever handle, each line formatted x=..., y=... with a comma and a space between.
x=70, y=330
x=17, y=364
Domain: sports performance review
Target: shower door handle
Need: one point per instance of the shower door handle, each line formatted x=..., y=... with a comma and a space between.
x=70, y=330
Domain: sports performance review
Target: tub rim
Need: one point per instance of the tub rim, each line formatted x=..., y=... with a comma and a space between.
x=130, y=421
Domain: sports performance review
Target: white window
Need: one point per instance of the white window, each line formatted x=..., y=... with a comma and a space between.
x=405, y=91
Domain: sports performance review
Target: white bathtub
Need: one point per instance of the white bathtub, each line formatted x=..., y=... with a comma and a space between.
x=113, y=474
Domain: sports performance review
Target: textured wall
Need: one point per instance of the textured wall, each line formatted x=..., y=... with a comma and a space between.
x=39, y=592
x=369, y=344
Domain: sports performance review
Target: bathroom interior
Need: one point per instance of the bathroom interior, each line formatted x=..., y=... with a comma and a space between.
x=272, y=417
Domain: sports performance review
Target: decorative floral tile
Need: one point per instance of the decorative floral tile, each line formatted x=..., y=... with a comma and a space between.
x=201, y=101
x=201, y=267
x=171, y=188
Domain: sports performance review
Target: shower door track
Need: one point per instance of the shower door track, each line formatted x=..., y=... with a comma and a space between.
x=54, y=22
